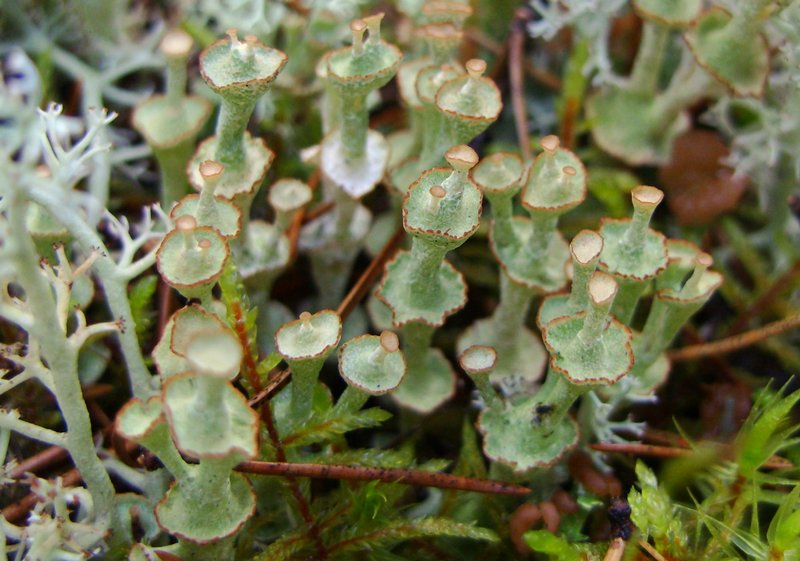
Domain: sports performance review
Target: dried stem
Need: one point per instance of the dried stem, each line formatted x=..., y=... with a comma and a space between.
x=735, y=342
x=516, y=44
x=781, y=284
x=775, y=462
x=250, y=370
x=44, y=460
x=387, y=475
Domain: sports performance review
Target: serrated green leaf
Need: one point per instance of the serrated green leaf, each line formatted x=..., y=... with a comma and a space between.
x=784, y=530
x=555, y=547
x=284, y=548
x=725, y=536
x=334, y=425
x=401, y=530
x=766, y=430
x=267, y=364
x=652, y=509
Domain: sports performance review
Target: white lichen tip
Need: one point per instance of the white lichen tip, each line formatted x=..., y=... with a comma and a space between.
x=703, y=261
x=209, y=169
x=176, y=44
x=550, y=143
x=374, y=24
x=646, y=195
x=602, y=288
x=461, y=157
x=586, y=246
x=244, y=49
x=216, y=353
x=390, y=342
x=185, y=223
x=288, y=195
x=478, y=359
x=358, y=27
x=437, y=193
x=475, y=67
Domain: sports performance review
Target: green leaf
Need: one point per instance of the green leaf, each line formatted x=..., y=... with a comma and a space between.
x=285, y=547
x=555, y=547
x=401, y=530
x=334, y=424
x=726, y=536
x=141, y=297
x=652, y=509
x=470, y=459
x=784, y=530
x=766, y=430
x=611, y=187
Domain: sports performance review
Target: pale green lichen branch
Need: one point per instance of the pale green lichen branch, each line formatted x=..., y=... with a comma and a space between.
x=61, y=357
x=113, y=277
x=10, y=420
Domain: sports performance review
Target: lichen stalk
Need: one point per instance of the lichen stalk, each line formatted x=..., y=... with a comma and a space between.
x=510, y=314
x=231, y=125
x=62, y=359
x=647, y=66
x=685, y=88
x=427, y=259
x=559, y=393
x=304, y=380
x=114, y=283
x=543, y=227
x=579, y=293
x=417, y=338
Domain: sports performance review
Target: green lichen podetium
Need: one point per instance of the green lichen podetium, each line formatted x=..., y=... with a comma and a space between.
x=587, y=350
x=633, y=252
x=305, y=344
x=441, y=210
x=240, y=72
x=533, y=255
x=635, y=120
x=170, y=123
x=200, y=415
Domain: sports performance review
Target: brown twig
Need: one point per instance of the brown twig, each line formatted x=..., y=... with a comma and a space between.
x=691, y=336
x=778, y=287
x=387, y=475
x=568, y=123
x=353, y=297
x=42, y=461
x=165, y=301
x=735, y=342
x=294, y=233
x=543, y=76
x=615, y=550
x=516, y=44
x=250, y=370
x=775, y=462
x=318, y=211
